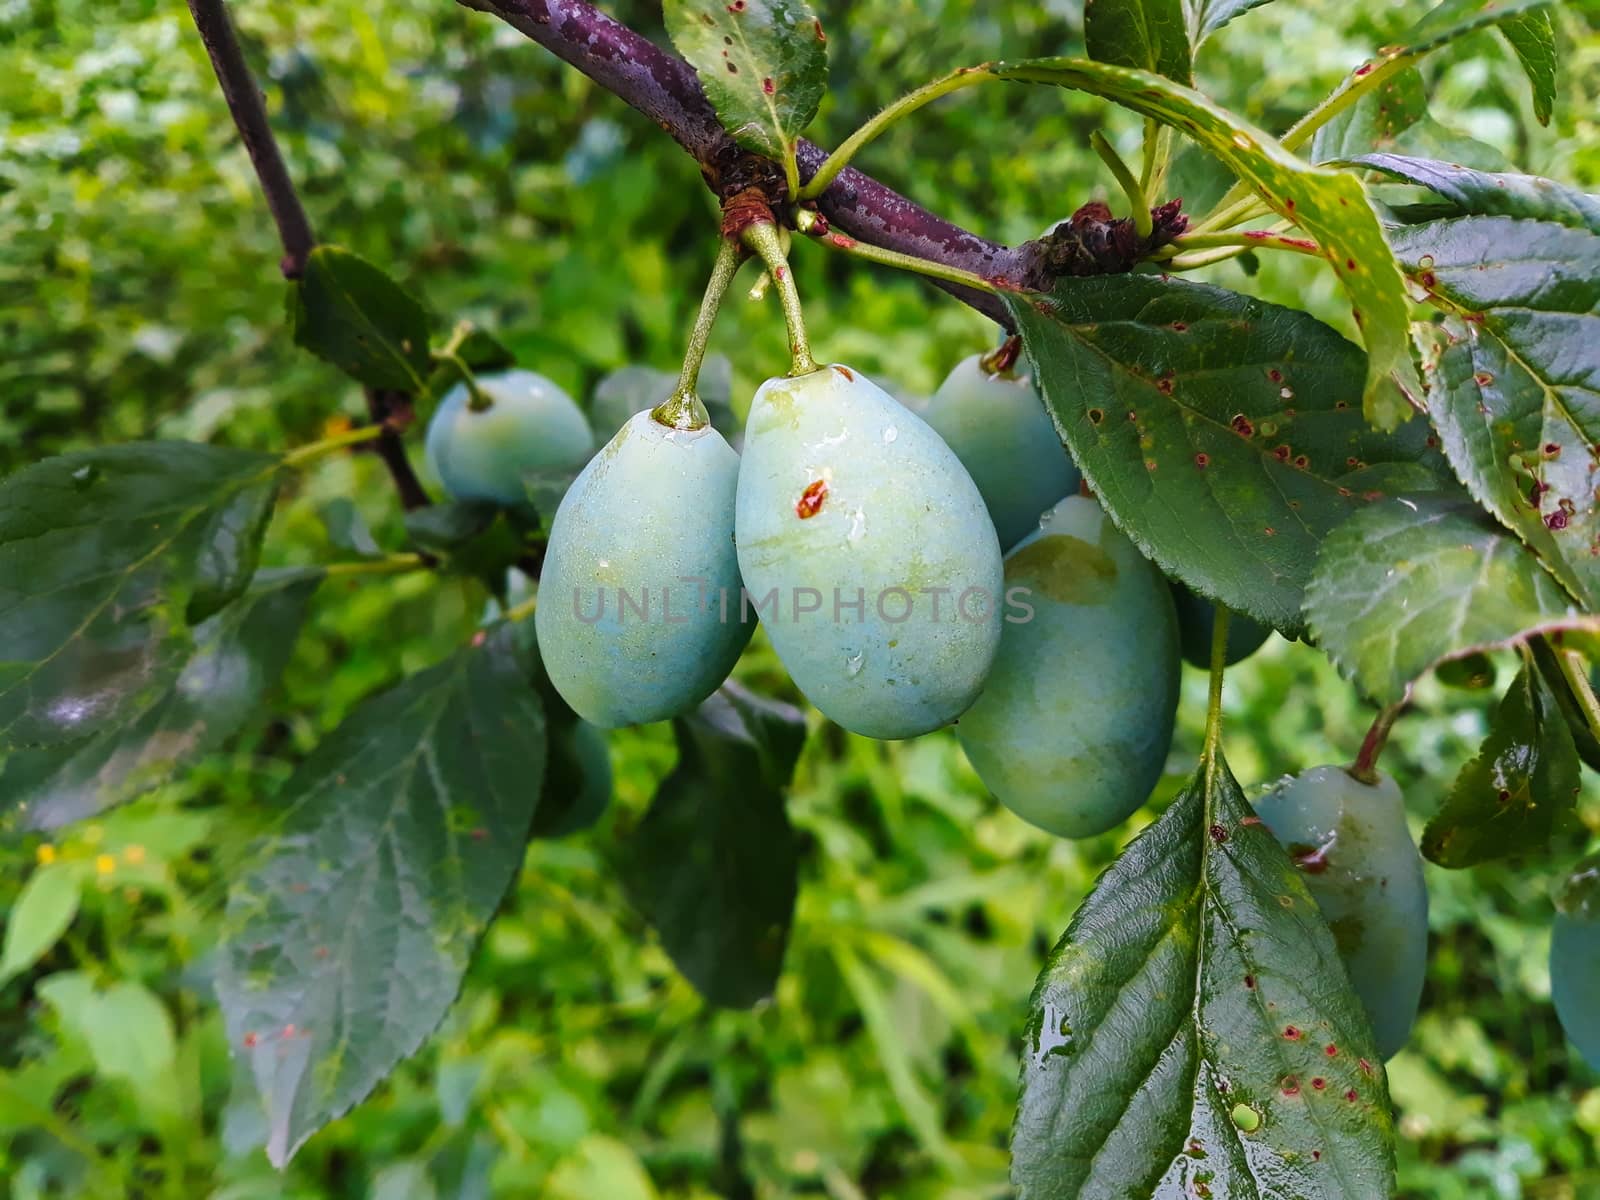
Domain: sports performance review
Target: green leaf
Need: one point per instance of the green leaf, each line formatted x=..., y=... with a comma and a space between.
x=106, y=558
x=1208, y=16
x=42, y=913
x=236, y=656
x=1411, y=582
x=349, y=313
x=1518, y=791
x=1394, y=116
x=1514, y=376
x=1532, y=36
x=1457, y=18
x=475, y=538
x=346, y=942
x=763, y=63
x=1491, y=194
x=713, y=866
x=347, y=529
x=128, y=1032
x=1223, y=434
x=1195, y=1026
x=1151, y=34
x=1329, y=204
x=1583, y=738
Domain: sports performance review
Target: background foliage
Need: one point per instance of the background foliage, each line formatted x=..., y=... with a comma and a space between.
x=139, y=297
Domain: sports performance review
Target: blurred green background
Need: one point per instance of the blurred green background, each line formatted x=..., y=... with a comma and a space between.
x=139, y=297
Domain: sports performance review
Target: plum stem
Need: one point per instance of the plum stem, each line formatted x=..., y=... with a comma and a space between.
x=1002, y=360
x=1219, y=662
x=1138, y=202
x=963, y=77
x=1365, y=768
x=1575, y=668
x=312, y=451
x=684, y=409
x=762, y=237
x=523, y=611
x=394, y=564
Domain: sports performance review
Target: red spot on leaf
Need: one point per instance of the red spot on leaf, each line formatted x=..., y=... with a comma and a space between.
x=1218, y=834
x=768, y=86
x=1203, y=461
x=1290, y=1085
x=810, y=502
x=1331, y=1050
x=1179, y=327
x=1319, y=1083
x=1250, y=982
x=1363, y=69
x=1242, y=425
x=1291, y=1032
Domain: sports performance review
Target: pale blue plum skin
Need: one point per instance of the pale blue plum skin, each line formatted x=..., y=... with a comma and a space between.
x=1349, y=840
x=1072, y=730
x=999, y=429
x=842, y=487
x=531, y=426
x=648, y=524
x=1197, y=618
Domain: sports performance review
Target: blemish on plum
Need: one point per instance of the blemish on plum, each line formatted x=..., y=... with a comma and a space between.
x=810, y=502
x=846, y=372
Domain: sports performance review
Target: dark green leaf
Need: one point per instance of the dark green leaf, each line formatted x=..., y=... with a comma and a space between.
x=1151, y=34
x=346, y=942
x=763, y=63
x=473, y=537
x=1518, y=791
x=106, y=557
x=1224, y=435
x=1533, y=40
x=237, y=655
x=1208, y=16
x=1491, y=194
x=1195, y=1032
x=1411, y=582
x=1514, y=376
x=1457, y=18
x=1394, y=116
x=713, y=865
x=347, y=529
x=351, y=314
x=1470, y=673
x=1583, y=737
x=1330, y=205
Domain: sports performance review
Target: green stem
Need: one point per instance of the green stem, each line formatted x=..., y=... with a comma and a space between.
x=1365, y=768
x=906, y=262
x=909, y=103
x=1219, y=662
x=394, y=564
x=1137, y=201
x=1576, y=670
x=314, y=450
x=521, y=612
x=683, y=409
x=763, y=238
x=1157, y=157
x=1250, y=239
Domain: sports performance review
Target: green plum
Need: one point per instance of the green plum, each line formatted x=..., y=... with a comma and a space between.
x=1072, y=729
x=639, y=614
x=999, y=429
x=1575, y=961
x=867, y=551
x=1197, y=617
x=1350, y=841
x=530, y=426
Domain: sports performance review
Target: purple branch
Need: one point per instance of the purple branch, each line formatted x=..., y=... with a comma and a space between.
x=250, y=116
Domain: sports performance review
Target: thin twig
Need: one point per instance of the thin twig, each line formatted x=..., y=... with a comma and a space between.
x=250, y=117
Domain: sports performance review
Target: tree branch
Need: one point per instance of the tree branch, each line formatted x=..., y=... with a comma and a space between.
x=250, y=116
x=665, y=89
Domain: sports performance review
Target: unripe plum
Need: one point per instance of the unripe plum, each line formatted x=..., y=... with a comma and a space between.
x=1575, y=962
x=1197, y=618
x=1072, y=729
x=999, y=429
x=1349, y=840
x=531, y=425
x=870, y=552
x=639, y=616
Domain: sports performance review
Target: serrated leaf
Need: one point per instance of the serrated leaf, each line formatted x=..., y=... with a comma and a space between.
x=1394, y=117
x=1532, y=36
x=1514, y=376
x=1518, y=791
x=763, y=63
x=346, y=942
x=1330, y=205
x=1487, y=193
x=1223, y=434
x=1457, y=18
x=713, y=866
x=42, y=912
x=106, y=557
x=1150, y=34
x=1195, y=1032
x=1411, y=582
x=347, y=528
x=350, y=313
x=236, y=656
x=1208, y=16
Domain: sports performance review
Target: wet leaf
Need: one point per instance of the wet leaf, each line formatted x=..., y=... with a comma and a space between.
x=1411, y=582
x=1329, y=204
x=1194, y=1032
x=346, y=941
x=107, y=557
x=1490, y=193
x=713, y=865
x=1532, y=36
x=1518, y=791
x=1224, y=435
